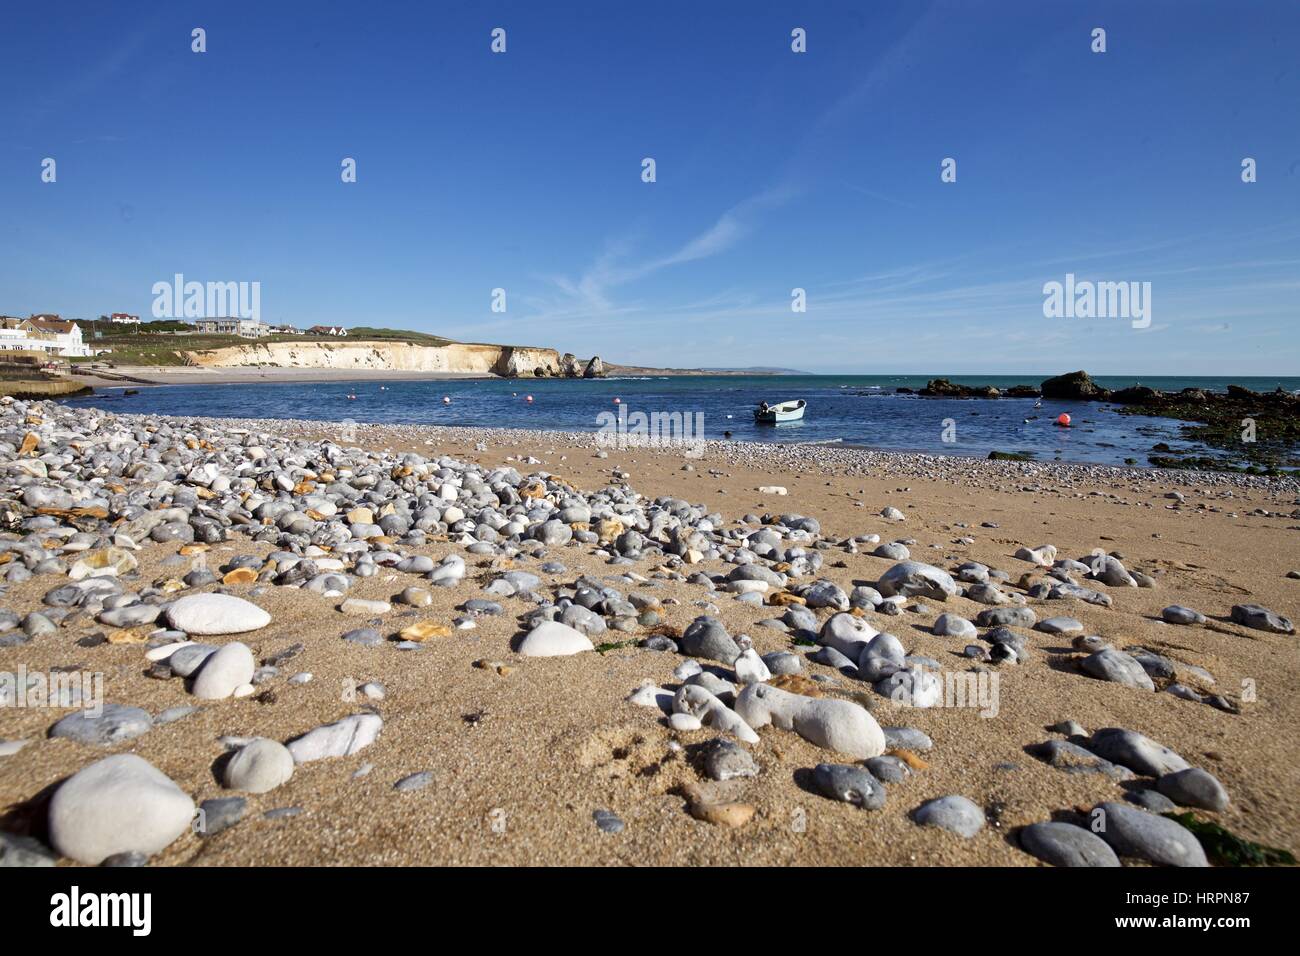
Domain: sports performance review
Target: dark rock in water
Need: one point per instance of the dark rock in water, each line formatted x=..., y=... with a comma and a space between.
x=1075, y=387
x=1136, y=395
x=1261, y=619
x=1064, y=844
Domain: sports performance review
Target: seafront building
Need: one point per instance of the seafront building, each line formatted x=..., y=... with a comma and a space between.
x=43, y=333
x=244, y=328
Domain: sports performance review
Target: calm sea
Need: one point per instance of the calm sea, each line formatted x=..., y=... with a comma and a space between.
x=853, y=409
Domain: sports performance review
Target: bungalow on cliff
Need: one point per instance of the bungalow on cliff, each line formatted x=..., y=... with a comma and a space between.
x=328, y=330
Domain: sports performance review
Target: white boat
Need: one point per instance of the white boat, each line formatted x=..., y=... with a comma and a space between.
x=767, y=414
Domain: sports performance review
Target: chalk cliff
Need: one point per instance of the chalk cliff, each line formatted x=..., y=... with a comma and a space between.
x=510, y=361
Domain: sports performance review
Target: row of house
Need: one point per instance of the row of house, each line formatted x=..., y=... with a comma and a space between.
x=256, y=329
x=42, y=333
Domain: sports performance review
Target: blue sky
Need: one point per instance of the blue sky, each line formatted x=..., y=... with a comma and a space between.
x=775, y=170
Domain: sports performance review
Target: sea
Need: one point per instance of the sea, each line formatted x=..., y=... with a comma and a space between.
x=852, y=410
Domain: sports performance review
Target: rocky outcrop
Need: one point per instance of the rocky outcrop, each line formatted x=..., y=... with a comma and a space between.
x=1075, y=387
x=521, y=362
x=595, y=368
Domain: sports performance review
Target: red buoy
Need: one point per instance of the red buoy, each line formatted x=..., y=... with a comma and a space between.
x=1063, y=420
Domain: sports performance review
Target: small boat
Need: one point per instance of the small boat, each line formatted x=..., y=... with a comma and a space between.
x=767, y=414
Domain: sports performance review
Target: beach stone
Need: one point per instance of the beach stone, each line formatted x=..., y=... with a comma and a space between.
x=907, y=738
x=954, y=813
x=834, y=724
x=1117, y=667
x=953, y=625
x=707, y=637
x=1194, y=787
x=915, y=579
x=114, y=724
x=1152, y=800
x=1059, y=625
x=1261, y=619
x=121, y=804
x=783, y=662
x=1137, y=833
x=220, y=813
x=221, y=674
x=339, y=739
x=1072, y=758
x=1064, y=844
x=20, y=852
x=259, y=766
x=553, y=639
x=1006, y=617
x=726, y=760
x=888, y=769
x=849, y=784
x=365, y=636
x=684, y=723
x=414, y=781
x=214, y=614
x=1177, y=614
x=607, y=821
x=1139, y=753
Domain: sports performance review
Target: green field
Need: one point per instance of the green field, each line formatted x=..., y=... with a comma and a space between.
x=155, y=343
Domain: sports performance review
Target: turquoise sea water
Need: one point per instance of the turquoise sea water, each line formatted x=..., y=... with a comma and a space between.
x=861, y=410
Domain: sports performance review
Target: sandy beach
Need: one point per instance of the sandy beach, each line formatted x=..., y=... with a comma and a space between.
x=522, y=752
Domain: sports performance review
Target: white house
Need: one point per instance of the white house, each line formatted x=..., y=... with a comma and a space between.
x=245, y=328
x=48, y=333
x=122, y=318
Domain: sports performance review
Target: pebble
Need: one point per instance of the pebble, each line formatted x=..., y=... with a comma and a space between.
x=1177, y=614
x=215, y=614
x=259, y=766
x=607, y=821
x=834, y=724
x=1194, y=787
x=1261, y=619
x=415, y=781
x=953, y=813
x=1117, y=667
x=114, y=724
x=727, y=760
x=916, y=579
x=553, y=639
x=1139, y=753
x=219, y=814
x=1064, y=844
x=1137, y=833
x=339, y=739
x=224, y=672
x=849, y=784
x=120, y=804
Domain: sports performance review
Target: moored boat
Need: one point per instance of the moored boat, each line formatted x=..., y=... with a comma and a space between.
x=767, y=414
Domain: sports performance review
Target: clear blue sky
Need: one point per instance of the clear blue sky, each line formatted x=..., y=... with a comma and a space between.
x=775, y=170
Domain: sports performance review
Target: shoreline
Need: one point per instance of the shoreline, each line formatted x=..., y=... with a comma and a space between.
x=837, y=458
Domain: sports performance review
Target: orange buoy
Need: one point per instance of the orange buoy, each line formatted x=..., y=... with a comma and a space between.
x=617, y=401
x=1063, y=420
x=529, y=399
x=446, y=399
